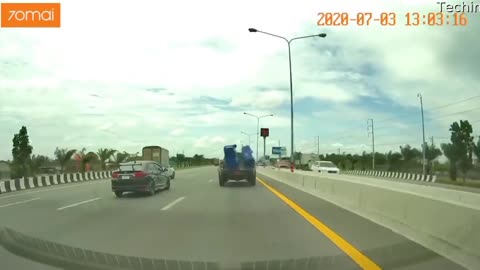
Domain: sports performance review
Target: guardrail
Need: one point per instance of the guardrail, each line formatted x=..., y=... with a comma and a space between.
x=395, y=175
x=49, y=180
x=440, y=219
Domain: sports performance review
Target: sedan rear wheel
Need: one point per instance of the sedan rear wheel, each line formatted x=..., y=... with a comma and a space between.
x=118, y=193
x=151, y=190
x=167, y=187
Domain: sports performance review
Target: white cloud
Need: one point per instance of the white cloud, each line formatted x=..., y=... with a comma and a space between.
x=178, y=131
x=130, y=79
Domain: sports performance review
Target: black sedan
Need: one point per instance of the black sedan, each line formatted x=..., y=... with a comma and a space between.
x=140, y=176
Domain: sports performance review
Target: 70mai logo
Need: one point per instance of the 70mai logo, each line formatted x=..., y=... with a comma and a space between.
x=30, y=14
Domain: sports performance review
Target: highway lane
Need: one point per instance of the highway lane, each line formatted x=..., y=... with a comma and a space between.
x=198, y=220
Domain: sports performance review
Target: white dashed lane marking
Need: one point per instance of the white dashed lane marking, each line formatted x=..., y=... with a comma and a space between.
x=168, y=206
x=79, y=203
x=15, y=203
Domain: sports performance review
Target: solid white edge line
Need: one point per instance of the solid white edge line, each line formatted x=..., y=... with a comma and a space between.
x=168, y=206
x=15, y=203
x=79, y=203
x=211, y=180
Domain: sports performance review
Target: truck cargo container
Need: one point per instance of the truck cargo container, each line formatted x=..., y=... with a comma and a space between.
x=157, y=154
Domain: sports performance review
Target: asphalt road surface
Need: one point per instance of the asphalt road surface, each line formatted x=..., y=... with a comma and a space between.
x=197, y=220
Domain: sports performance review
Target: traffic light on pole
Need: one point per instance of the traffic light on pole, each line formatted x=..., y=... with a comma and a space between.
x=264, y=132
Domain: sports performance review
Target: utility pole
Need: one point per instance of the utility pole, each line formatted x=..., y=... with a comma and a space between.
x=423, y=131
x=318, y=145
x=370, y=125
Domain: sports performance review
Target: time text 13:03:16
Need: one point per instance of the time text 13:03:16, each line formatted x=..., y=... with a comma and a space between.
x=392, y=19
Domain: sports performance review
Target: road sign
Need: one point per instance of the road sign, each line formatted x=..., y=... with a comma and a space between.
x=279, y=150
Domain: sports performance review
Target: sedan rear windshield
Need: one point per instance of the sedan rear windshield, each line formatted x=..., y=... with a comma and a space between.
x=327, y=164
x=130, y=167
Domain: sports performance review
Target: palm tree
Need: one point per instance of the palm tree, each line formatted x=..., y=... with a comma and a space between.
x=85, y=158
x=64, y=156
x=119, y=158
x=105, y=154
x=133, y=157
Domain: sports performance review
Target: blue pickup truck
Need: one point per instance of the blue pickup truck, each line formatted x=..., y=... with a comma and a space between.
x=237, y=166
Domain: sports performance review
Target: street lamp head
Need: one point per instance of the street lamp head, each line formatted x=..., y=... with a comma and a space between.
x=252, y=30
x=322, y=35
x=419, y=95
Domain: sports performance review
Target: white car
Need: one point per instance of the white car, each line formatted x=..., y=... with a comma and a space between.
x=324, y=166
x=171, y=172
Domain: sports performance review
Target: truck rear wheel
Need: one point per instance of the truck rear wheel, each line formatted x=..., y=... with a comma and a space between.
x=221, y=181
x=252, y=180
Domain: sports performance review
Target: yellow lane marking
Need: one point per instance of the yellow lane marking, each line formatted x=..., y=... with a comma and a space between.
x=363, y=261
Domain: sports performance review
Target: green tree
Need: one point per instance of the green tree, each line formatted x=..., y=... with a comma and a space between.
x=410, y=156
x=198, y=159
x=63, y=156
x=452, y=154
x=409, y=153
x=393, y=160
x=349, y=159
x=21, y=152
x=355, y=159
x=462, y=140
x=38, y=161
x=364, y=160
x=105, y=154
x=380, y=159
x=431, y=153
x=180, y=159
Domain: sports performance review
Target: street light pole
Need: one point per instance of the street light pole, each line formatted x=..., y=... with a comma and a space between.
x=258, y=125
x=249, y=141
x=292, y=157
x=253, y=30
x=423, y=132
x=373, y=140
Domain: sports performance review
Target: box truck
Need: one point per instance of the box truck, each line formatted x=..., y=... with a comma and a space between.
x=157, y=154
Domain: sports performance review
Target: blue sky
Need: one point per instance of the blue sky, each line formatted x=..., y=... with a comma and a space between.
x=160, y=79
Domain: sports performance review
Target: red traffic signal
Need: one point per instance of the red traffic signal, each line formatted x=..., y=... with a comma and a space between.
x=264, y=132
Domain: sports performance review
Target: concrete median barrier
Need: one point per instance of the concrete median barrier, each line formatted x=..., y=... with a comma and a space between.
x=443, y=220
x=394, y=175
x=50, y=180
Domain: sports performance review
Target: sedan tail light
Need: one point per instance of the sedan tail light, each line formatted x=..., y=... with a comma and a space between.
x=140, y=174
x=115, y=175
